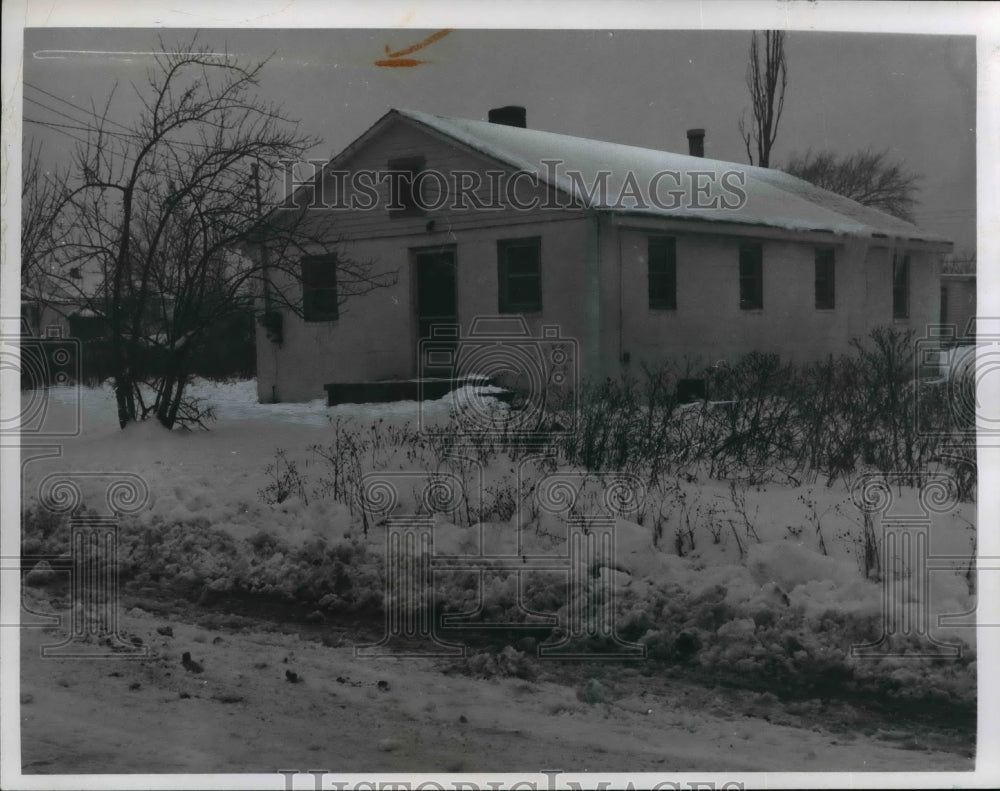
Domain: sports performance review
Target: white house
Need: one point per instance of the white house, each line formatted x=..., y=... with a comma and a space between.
x=621, y=255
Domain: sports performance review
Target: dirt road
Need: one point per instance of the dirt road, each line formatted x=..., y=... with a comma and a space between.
x=266, y=700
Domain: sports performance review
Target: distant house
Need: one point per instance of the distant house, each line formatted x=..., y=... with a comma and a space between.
x=39, y=317
x=635, y=255
x=57, y=304
x=54, y=311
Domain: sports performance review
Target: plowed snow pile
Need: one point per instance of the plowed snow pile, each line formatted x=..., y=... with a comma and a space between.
x=764, y=584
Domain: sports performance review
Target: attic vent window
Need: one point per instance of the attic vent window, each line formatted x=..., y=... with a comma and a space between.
x=511, y=115
x=696, y=142
x=404, y=200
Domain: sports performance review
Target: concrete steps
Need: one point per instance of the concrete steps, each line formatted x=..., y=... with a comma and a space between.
x=379, y=392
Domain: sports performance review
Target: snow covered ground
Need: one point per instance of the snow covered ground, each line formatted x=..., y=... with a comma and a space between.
x=754, y=588
x=237, y=401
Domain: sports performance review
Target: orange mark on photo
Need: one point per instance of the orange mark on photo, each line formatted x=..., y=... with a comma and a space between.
x=396, y=58
x=400, y=62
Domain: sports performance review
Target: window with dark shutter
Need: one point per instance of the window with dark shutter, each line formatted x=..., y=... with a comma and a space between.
x=751, y=277
x=319, y=288
x=520, y=275
x=662, y=274
x=900, y=286
x=825, y=278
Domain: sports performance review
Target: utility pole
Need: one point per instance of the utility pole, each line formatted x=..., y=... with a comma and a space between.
x=263, y=247
x=271, y=320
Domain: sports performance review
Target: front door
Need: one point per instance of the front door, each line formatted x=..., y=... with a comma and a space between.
x=437, y=313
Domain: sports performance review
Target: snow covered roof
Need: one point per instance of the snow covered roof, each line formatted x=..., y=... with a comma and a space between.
x=773, y=198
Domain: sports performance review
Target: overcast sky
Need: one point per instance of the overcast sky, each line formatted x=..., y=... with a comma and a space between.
x=912, y=94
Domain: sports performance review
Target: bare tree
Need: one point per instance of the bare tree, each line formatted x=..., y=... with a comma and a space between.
x=41, y=194
x=766, y=81
x=158, y=214
x=872, y=178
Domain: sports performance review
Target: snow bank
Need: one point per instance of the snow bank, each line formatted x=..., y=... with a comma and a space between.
x=789, y=565
x=763, y=601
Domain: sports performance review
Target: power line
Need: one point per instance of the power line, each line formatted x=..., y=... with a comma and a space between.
x=53, y=110
x=60, y=128
x=55, y=128
x=81, y=125
x=80, y=128
x=84, y=126
x=77, y=107
x=129, y=132
x=55, y=125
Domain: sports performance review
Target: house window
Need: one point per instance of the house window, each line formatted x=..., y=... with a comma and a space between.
x=404, y=200
x=825, y=281
x=319, y=288
x=900, y=286
x=520, y=269
x=662, y=274
x=751, y=277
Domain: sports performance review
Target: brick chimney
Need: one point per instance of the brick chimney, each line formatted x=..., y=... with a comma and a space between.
x=511, y=115
x=696, y=142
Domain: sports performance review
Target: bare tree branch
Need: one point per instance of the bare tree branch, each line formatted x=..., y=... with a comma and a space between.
x=766, y=81
x=872, y=178
x=158, y=214
x=41, y=195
